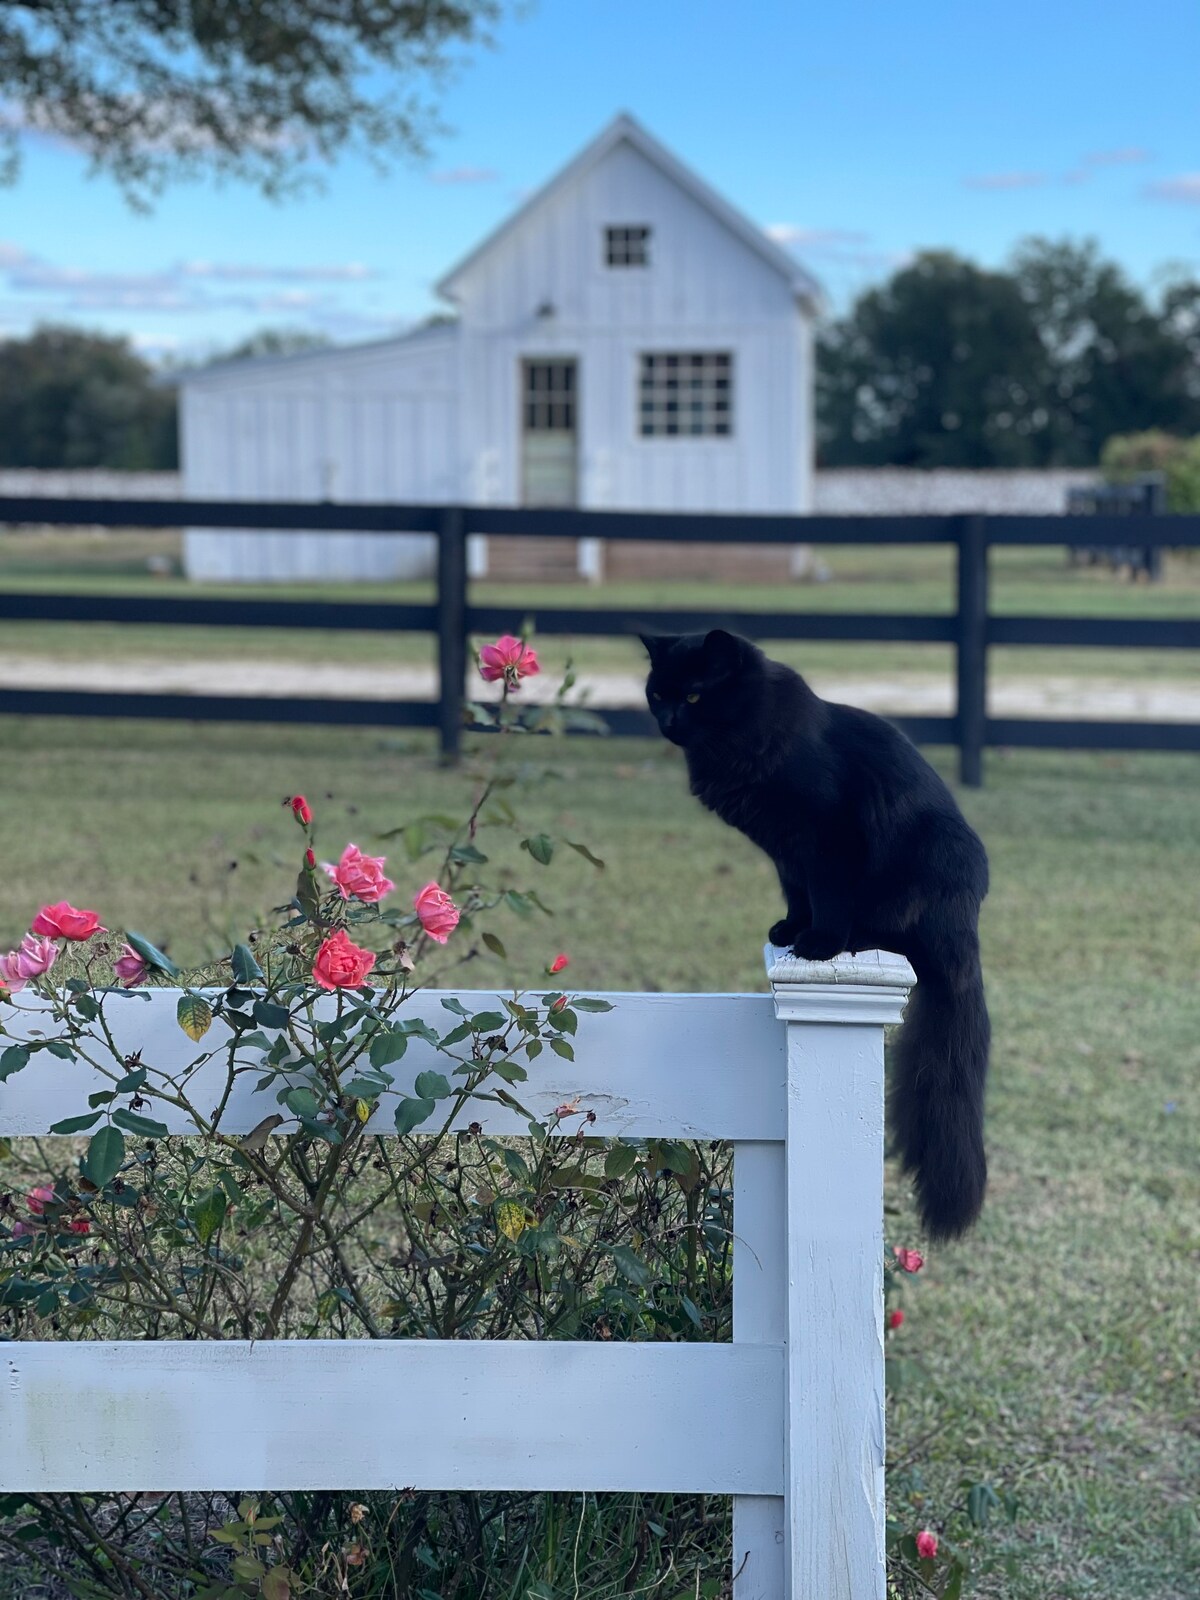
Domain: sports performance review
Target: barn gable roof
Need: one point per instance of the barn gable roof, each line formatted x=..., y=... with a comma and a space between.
x=625, y=129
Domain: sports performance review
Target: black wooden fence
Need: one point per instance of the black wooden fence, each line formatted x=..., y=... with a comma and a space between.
x=970, y=629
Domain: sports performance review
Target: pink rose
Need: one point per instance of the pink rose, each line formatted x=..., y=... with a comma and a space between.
x=896, y=1320
x=10, y=976
x=38, y=1199
x=65, y=921
x=301, y=810
x=359, y=875
x=909, y=1260
x=79, y=1225
x=438, y=913
x=558, y=964
x=342, y=964
x=21, y=1230
x=131, y=968
x=927, y=1545
x=510, y=659
x=30, y=960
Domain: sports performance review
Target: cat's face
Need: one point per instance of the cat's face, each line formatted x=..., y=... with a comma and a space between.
x=699, y=684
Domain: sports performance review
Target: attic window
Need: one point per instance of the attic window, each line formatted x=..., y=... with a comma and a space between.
x=688, y=395
x=627, y=247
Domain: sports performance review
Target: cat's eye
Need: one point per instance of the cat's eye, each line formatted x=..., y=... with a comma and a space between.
x=692, y=698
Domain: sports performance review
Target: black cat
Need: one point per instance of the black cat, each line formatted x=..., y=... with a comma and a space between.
x=872, y=853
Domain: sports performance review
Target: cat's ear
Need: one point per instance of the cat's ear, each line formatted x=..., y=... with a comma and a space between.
x=725, y=653
x=655, y=644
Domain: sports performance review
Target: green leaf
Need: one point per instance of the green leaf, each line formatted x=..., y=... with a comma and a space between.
x=467, y=854
x=411, y=1113
x=582, y=850
x=13, y=1059
x=619, y=1161
x=102, y=1097
x=388, y=1045
x=59, y=1048
x=269, y=1015
x=87, y=1008
x=152, y=955
x=194, y=1015
x=540, y=847
x=631, y=1267
x=582, y=1003
x=131, y=1081
x=565, y=1021
x=488, y=1021
x=457, y=1035
x=207, y=1212
x=144, y=1127
x=495, y=946
x=432, y=1086
x=301, y=1102
x=76, y=1124
x=562, y=1048
x=245, y=968
x=510, y=1071
x=533, y=1049
x=520, y=903
x=105, y=1153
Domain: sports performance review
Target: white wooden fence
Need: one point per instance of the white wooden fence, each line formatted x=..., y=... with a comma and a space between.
x=788, y=1418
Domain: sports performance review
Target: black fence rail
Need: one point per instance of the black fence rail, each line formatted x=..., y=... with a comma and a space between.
x=970, y=629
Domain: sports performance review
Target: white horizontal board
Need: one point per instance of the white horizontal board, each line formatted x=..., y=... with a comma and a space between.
x=680, y=1066
x=319, y=1414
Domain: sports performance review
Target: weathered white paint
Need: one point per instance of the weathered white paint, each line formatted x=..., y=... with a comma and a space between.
x=367, y=1414
x=946, y=491
x=436, y=417
x=788, y=1418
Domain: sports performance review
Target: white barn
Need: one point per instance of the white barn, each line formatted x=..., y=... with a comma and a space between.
x=627, y=339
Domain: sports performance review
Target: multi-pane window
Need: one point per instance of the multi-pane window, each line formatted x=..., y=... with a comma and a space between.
x=689, y=394
x=549, y=398
x=627, y=247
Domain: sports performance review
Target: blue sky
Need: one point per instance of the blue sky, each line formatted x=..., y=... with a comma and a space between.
x=859, y=131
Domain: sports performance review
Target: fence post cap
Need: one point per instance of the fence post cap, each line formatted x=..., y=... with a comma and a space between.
x=871, y=986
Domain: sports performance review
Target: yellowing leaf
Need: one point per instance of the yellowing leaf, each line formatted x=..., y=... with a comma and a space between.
x=194, y=1015
x=510, y=1219
x=362, y=1110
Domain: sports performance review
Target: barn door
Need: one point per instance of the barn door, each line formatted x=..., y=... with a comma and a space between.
x=549, y=438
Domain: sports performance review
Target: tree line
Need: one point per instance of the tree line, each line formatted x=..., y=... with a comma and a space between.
x=946, y=364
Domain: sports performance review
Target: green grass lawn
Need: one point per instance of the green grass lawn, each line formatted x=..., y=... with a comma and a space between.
x=911, y=579
x=1055, y=1349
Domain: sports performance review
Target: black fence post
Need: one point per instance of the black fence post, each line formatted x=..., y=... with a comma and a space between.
x=452, y=627
x=971, y=658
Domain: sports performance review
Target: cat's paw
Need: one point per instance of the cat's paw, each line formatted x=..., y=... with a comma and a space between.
x=815, y=944
x=783, y=932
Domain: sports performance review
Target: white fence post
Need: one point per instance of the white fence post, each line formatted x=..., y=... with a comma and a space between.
x=833, y=1515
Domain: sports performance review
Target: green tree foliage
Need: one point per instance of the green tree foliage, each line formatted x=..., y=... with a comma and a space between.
x=274, y=342
x=946, y=364
x=1127, y=456
x=153, y=91
x=72, y=399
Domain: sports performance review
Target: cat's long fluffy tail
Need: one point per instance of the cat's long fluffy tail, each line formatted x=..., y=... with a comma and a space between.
x=940, y=1059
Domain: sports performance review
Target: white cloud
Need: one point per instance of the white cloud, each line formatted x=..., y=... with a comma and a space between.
x=454, y=175
x=999, y=181
x=815, y=238
x=1129, y=156
x=1184, y=187
x=226, y=271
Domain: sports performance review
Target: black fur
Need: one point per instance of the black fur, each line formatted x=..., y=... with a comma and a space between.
x=872, y=853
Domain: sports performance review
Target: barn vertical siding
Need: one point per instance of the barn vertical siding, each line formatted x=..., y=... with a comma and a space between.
x=438, y=418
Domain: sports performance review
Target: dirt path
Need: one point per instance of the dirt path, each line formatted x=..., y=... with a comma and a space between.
x=913, y=693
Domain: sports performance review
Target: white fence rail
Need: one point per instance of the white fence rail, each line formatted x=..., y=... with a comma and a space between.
x=788, y=1418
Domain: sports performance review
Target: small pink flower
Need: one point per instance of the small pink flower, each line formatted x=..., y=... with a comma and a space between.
x=509, y=658
x=570, y=1109
x=927, y=1545
x=558, y=964
x=22, y=1230
x=301, y=810
x=38, y=1199
x=131, y=968
x=559, y=1004
x=35, y=956
x=11, y=980
x=65, y=921
x=909, y=1260
x=79, y=1225
x=437, y=912
x=342, y=964
x=359, y=875
x=896, y=1320
x=310, y=857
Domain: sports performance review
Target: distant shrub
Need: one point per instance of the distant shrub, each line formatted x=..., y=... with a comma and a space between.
x=1130, y=455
